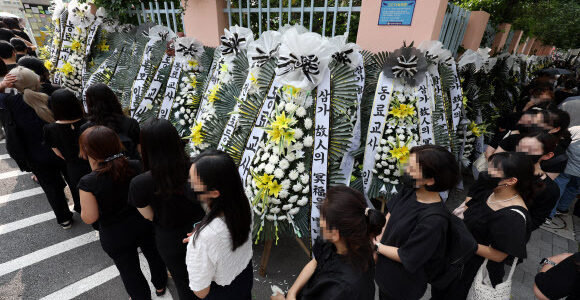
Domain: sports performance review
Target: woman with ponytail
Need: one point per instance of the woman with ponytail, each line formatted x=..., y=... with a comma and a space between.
x=24, y=115
x=412, y=248
x=497, y=217
x=103, y=194
x=343, y=265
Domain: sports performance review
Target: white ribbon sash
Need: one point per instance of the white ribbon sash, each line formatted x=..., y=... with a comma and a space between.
x=456, y=98
x=425, y=108
x=65, y=50
x=90, y=39
x=375, y=132
x=170, y=90
x=137, y=90
x=235, y=117
x=154, y=88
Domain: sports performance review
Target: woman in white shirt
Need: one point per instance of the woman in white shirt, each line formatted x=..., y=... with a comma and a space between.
x=219, y=254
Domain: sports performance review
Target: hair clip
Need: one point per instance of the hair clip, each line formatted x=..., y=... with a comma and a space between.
x=113, y=157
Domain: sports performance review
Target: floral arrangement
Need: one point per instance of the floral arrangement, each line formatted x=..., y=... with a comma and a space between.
x=469, y=134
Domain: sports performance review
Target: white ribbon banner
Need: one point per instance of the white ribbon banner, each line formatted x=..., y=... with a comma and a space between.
x=375, y=132
x=90, y=39
x=204, y=98
x=456, y=98
x=347, y=163
x=425, y=108
x=92, y=80
x=154, y=88
x=438, y=92
x=170, y=90
x=257, y=131
x=319, y=180
x=65, y=50
x=235, y=117
x=137, y=90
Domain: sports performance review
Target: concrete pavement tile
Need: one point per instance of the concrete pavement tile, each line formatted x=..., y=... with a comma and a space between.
x=557, y=250
x=572, y=246
x=560, y=242
x=547, y=237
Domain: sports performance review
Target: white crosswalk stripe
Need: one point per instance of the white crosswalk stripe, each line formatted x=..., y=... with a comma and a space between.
x=11, y=174
x=4, y=156
x=20, y=195
x=16, y=225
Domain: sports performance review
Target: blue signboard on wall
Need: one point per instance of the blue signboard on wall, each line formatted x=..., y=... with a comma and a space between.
x=396, y=12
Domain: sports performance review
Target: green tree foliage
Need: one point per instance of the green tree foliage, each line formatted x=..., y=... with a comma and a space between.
x=554, y=22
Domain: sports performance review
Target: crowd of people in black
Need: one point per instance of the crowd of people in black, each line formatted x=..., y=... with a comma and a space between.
x=190, y=216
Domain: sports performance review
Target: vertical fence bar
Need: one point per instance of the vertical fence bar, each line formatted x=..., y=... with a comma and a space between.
x=465, y=23
x=241, y=23
x=302, y=12
x=444, y=25
x=136, y=12
x=280, y=16
x=311, y=13
x=268, y=14
x=324, y=18
x=167, y=16
x=334, y=17
x=173, y=12
x=260, y=16
x=289, y=11
x=348, y=18
x=229, y=6
x=248, y=3
x=151, y=14
x=159, y=21
x=143, y=13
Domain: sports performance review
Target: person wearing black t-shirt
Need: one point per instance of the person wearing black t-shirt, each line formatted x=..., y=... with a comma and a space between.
x=63, y=137
x=539, y=147
x=411, y=251
x=498, y=218
x=8, y=55
x=160, y=196
x=559, y=277
x=37, y=65
x=122, y=229
x=342, y=267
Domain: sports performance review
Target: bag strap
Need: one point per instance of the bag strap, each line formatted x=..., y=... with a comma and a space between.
x=520, y=213
x=512, y=269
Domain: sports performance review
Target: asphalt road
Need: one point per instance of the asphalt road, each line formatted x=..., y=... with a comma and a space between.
x=40, y=260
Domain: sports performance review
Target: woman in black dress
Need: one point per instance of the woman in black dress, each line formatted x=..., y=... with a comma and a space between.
x=122, y=229
x=103, y=108
x=159, y=195
x=498, y=218
x=412, y=247
x=63, y=137
x=342, y=267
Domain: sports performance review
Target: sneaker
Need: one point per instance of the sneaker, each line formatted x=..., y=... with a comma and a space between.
x=548, y=222
x=561, y=212
x=66, y=224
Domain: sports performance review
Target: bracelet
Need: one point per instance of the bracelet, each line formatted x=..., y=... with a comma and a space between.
x=546, y=261
x=376, y=247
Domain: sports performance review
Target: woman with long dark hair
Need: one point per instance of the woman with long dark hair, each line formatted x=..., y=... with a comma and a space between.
x=497, y=217
x=219, y=254
x=412, y=247
x=25, y=115
x=343, y=265
x=122, y=229
x=160, y=196
x=63, y=137
x=104, y=108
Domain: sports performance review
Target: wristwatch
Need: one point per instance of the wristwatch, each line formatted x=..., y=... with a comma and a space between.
x=546, y=261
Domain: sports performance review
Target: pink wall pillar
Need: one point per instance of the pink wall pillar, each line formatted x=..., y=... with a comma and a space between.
x=475, y=30
x=515, y=41
x=503, y=31
x=205, y=20
x=528, y=46
x=522, y=45
x=535, y=46
x=425, y=26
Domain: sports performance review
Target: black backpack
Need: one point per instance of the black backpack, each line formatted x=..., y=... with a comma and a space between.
x=460, y=247
x=14, y=144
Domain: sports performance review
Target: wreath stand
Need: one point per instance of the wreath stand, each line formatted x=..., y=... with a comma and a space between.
x=268, y=249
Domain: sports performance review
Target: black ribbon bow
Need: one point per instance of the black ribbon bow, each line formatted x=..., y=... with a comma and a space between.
x=263, y=57
x=342, y=57
x=190, y=50
x=232, y=44
x=308, y=64
x=405, y=67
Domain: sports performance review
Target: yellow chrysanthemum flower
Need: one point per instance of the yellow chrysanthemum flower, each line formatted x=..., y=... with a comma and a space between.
x=195, y=135
x=401, y=154
x=474, y=129
x=280, y=129
x=224, y=68
x=465, y=101
x=253, y=79
x=48, y=65
x=75, y=45
x=192, y=63
x=262, y=182
x=193, y=81
x=67, y=68
x=274, y=188
x=213, y=93
x=403, y=111
x=291, y=91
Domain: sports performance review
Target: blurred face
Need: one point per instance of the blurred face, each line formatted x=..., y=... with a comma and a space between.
x=200, y=189
x=530, y=146
x=414, y=170
x=328, y=234
x=529, y=119
x=496, y=172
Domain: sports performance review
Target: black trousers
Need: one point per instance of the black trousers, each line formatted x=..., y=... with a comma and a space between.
x=240, y=288
x=120, y=241
x=173, y=250
x=50, y=178
x=76, y=171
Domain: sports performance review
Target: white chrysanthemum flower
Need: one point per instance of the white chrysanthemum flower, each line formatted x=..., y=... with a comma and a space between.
x=274, y=159
x=391, y=139
x=261, y=167
x=278, y=173
x=293, y=175
x=265, y=156
x=298, y=133
x=291, y=157
x=302, y=201
x=384, y=163
x=375, y=171
x=275, y=201
x=283, y=194
x=391, y=167
x=298, y=146
x=308, y=140
x=383, y=141
x=301, y=112
x=300, y=167
x=282, y=218
x=395, y=181
x=285, y=184
x=385, y=156
x=377, y=156
x=307, y=123
x=387, y=172
x=306, y=190
x=284, y=164
x=271, y=217
x=297, y=187
x=287, y=206
x=275, y=150
x=275, y=210
x=290, y=107
x=399, y=130
x=304, y=178
x=269, y=168
x=293, y=199
x=294, y=211
x=402, y=137
x=181, y=122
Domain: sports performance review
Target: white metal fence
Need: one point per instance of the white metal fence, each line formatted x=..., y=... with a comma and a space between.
x=328, y=17
x=454, y=26
x=161, y=13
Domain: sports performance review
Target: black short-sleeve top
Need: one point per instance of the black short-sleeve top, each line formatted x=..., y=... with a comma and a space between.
x=64, y=137
x=421, y=242
x=170, y=212
x=335, y=278
x=111, y=195
x=544, y=201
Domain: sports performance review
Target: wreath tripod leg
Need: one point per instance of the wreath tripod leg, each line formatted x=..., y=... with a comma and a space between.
x=265, y=257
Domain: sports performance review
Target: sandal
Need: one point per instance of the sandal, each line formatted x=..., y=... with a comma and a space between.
x=160, y=293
